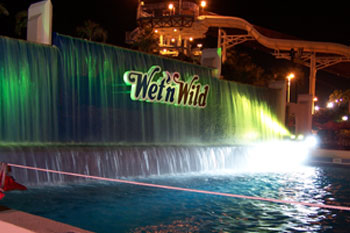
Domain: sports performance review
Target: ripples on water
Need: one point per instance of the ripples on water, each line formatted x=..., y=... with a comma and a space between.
x=106, y=207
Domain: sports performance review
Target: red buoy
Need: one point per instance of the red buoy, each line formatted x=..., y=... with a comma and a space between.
x=8, y=183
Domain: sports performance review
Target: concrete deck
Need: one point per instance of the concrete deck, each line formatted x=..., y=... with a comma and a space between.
x=331, y=157
x=21, y=222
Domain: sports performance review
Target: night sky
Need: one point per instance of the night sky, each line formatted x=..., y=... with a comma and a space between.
x=322, y=22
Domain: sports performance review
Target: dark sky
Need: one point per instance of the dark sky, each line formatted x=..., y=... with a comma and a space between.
x=323, y=23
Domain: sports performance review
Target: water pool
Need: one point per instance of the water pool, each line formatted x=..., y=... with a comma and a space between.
x=111, y=207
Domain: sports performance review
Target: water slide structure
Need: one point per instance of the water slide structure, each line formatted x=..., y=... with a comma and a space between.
x=177, y=25
x=316, y=55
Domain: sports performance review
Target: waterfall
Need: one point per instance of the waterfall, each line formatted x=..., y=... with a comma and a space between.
x=116, y=162
x=98, y=106
x=73, y=94
x=28, y=93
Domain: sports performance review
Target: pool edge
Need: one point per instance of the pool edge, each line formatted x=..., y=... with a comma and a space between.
x=330, y=157
x=24, y=222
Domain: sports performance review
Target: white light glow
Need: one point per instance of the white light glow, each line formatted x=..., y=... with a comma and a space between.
x=345, y=118
x=277, y=156
x=317, y=108
x=311, y=141
x=330, y=105
x=171, y=6
x=290, y=76
x=251, y=135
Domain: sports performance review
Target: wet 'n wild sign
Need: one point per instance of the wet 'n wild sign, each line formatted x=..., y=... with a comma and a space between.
x=167, y=89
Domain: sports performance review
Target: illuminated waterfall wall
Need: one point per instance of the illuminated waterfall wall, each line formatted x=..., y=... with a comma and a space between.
x=28, y=92
x=74, y=93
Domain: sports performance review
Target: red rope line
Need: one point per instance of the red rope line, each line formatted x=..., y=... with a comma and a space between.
x=184, y=189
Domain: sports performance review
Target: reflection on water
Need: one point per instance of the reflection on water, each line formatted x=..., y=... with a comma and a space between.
x=187, y=225
x=106, y=207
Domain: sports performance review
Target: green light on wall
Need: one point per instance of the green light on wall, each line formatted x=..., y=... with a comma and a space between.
x=87, y=99
x=28, y=103
x=219, y=52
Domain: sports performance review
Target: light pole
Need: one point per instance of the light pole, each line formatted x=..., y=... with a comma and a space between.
x=289, y=77
x=171, y=8
x=203, y=5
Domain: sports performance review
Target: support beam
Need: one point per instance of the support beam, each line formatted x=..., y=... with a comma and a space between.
x=312, y=79
x=161, y=40
x=180, y=7
x=312, y=75
x=228, y=41
x=222, y=44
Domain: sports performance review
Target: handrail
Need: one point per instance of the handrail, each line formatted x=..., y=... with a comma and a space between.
x=186, y=6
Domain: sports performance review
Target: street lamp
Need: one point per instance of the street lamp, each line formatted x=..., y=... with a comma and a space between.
x=330, y=105
x=289, y=77
x=203, y=4
x=171, y=8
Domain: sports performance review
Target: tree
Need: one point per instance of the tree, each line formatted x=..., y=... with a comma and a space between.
x=92, y=31
x=240, y=67
x=3, y=10
x=341, y=97
x=146, y=41
x=336, y=95
x=21, y=23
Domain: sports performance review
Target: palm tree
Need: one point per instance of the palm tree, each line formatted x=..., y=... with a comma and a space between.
x=336, y=95
x=241, y=67
x=3, y=10
x=146, y=41
x=21, y=23
x=344, y=96
x=92, y=31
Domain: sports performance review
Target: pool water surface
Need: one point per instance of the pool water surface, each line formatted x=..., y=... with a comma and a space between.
x=113, y=207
